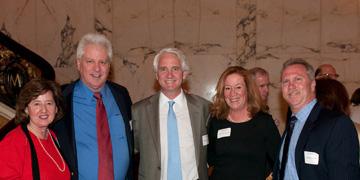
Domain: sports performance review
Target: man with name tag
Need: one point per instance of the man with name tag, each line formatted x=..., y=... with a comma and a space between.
x=318, y=143
x=170, y=127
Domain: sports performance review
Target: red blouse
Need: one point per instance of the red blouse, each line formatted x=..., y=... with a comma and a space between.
x=15, y=158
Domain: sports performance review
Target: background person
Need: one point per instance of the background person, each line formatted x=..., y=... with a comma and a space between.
x=95, y=133
x=30, y=151
x=261, y=78
x=262, y=81
x=355, y=110
x=243, y=138
x=355, y=106
x=332, y=94
x=326, y=71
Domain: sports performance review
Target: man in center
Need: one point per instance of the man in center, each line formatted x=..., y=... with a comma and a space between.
x=170, y=126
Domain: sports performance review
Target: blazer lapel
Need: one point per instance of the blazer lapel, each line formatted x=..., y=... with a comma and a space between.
x=304, y=135
x=152, y=110
x=195, y=119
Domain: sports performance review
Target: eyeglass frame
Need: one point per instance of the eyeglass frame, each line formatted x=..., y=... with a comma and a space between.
x=327, y=75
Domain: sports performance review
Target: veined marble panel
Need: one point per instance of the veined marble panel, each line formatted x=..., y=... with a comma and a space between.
x=187, y=23
x=245, y=31
x=67, y=44
x=66, y=75
x=132, y=26
x=103, y=17
x=62, y=25
x=9, y=15
x=18, y=18
x=206, y=71
x=161, y=22
x=301, y=25
x=351, y=73
x=217, y=33
x=50, y=39
x=351, y=87
x=136, y=74
x=340, y=26
x=213, y=34
x=269, y=27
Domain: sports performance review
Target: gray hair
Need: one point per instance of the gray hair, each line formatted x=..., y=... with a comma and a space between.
x=178, y=53
x=299, y=61
x=258, y=71
x=94, y=38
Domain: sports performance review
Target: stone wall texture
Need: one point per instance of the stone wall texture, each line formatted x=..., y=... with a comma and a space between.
x=213, y=34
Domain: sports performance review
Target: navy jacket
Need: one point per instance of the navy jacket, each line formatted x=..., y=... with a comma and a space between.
x=333, y=137
x=64, y=128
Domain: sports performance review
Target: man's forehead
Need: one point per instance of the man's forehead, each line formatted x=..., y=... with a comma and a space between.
x=296, y=69
x=261, y=76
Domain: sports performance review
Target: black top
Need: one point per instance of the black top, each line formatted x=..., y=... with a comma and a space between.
x=247, y=152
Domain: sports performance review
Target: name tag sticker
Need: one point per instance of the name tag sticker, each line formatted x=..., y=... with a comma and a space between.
x=311, y=158
x=205, y=139
x=226, y=132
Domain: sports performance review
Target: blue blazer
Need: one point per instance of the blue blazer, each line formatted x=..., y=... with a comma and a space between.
x=333, y=137
x=64, y=128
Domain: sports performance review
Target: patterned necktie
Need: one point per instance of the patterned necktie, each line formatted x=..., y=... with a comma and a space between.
x=106, y=167
x=284, y=158
x=174, y=161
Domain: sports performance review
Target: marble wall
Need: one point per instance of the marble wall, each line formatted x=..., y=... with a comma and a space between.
x=214, y=34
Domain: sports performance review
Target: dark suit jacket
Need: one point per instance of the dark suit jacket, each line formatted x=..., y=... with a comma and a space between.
x=147, y=134
x=333, y=137
x=64, y=128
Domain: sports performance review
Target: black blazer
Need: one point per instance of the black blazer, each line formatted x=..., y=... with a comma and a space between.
x=333, y=137
x=64, y=128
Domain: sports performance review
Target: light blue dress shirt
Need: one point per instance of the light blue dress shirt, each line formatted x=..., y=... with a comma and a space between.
x=302, y=115
x=84, y=104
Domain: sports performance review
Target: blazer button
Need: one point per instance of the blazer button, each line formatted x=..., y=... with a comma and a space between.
x=159, y=168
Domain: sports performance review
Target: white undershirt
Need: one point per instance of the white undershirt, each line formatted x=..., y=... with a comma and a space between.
x=186, y=139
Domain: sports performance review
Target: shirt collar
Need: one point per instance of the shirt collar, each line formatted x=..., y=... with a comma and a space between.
x=179, y=100
x=303, y=114
x=84, y=91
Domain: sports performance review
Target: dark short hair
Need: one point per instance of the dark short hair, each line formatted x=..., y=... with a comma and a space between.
x=333, y=95
x=355, y=97
x=317, y=71
x=31, y=91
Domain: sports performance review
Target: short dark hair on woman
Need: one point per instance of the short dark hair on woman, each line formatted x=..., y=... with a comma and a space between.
x=332, y=94
x=355, y=98
x=34, y=89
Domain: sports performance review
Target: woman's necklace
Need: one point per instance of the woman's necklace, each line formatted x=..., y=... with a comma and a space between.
x=245, y=119
x=52, y=159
